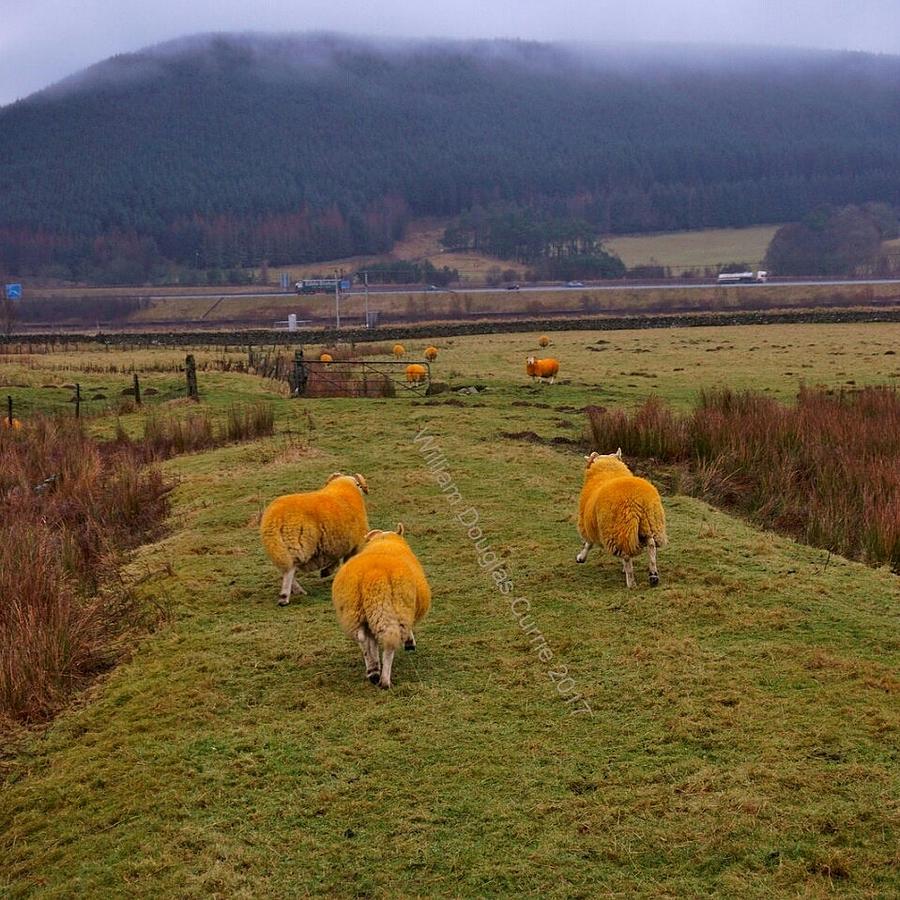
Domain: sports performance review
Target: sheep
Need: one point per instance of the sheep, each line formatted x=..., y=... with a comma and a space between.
x=416, y=372
x=543, y=340
x=326, y=358
x=542, y=368
x=378, y=596
x=399, y=350
x=316, y=530
x=621, y=512
x=431, y=353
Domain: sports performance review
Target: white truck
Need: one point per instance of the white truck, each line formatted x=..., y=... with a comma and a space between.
x=743, y=277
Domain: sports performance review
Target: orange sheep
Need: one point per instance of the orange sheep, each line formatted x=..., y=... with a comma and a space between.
x=542, y=368
x=399, y=350
x=621, y=512
x=378, y=596
x=416, y=372
x=315, y=530
x=431, y=353
x=326, y=358
x=543, y=340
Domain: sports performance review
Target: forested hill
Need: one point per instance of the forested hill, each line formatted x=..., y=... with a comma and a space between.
x=224, y=150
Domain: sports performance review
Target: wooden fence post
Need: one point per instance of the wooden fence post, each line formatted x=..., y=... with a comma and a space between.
x=299, y=376
x=137, y=390
x=77, y=400
x=191, y=374
x=9, y=415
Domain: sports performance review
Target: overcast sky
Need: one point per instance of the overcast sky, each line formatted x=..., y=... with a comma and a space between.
x=42, y=41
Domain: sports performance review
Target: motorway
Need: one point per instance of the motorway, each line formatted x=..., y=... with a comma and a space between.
x=617, y=286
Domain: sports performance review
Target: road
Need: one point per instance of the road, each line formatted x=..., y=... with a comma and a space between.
x=617, y=286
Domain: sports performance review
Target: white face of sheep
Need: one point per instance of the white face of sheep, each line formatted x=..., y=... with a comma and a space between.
x=530, y=361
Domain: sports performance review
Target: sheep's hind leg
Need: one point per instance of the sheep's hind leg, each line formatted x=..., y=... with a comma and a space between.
x=287, y=584
x=628, y=567
x=370, y=654
x=410, y=643
x=654, y=571
x=387, y=660
x=582, y=555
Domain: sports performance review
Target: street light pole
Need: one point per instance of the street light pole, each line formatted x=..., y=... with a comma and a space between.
x=337, y=301
x=366, y=280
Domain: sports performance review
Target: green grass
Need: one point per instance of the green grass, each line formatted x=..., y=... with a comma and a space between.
x=696, y=249
x=743, y=736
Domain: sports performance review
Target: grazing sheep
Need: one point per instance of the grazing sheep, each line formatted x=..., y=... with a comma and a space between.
x=431, y=353
x=542, y=368
x=11, y=424
x=416, y=372
x=326, y=358
x=378, y=596
x=315, y=530
x=543, y=340
x=399, y=350
x=621, y=512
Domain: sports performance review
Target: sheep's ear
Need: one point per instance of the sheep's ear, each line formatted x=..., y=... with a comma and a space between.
x=361, y=481
x=619, y=453
x=400, y=528
x=373, y=533
x=332, y=476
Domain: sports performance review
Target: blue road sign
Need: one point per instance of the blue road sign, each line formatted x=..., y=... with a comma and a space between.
x=14, y=292
x=345, y=284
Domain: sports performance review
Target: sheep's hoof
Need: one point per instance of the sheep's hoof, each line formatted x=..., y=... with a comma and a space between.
x=580, y=559
x=283, y=600
x=654, y=580
x=384, y=686
x=409, y=646
x=374, y=677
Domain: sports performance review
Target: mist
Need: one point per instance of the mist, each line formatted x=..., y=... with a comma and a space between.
x=44, y=41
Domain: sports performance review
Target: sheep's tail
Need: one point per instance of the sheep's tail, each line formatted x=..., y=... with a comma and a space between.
x=653, y=524
x=381, y=613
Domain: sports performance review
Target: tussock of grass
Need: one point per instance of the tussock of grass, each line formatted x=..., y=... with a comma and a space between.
x=170, y=435
x=826, y=469
x=67, y=511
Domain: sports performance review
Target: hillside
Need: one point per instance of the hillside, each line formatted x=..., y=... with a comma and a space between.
x=222, y=150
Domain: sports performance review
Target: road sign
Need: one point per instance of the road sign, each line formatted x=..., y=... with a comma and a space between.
x=345, y=284
x=14, y=292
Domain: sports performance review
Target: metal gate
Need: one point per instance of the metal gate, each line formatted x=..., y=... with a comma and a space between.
x=361, y=378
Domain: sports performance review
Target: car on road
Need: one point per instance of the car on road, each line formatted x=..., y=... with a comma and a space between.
x=574, y=284
x=512, y=287
x=432, y=287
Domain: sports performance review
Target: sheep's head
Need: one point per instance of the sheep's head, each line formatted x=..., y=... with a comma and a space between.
x=376, y=534
x=596, y=457
x=358, y=480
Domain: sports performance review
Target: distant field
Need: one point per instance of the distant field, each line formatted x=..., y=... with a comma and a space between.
x=445, y=305
x=696, y=249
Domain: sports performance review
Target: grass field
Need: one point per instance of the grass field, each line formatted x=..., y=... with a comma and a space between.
x=708, y=247
x=743, y=724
